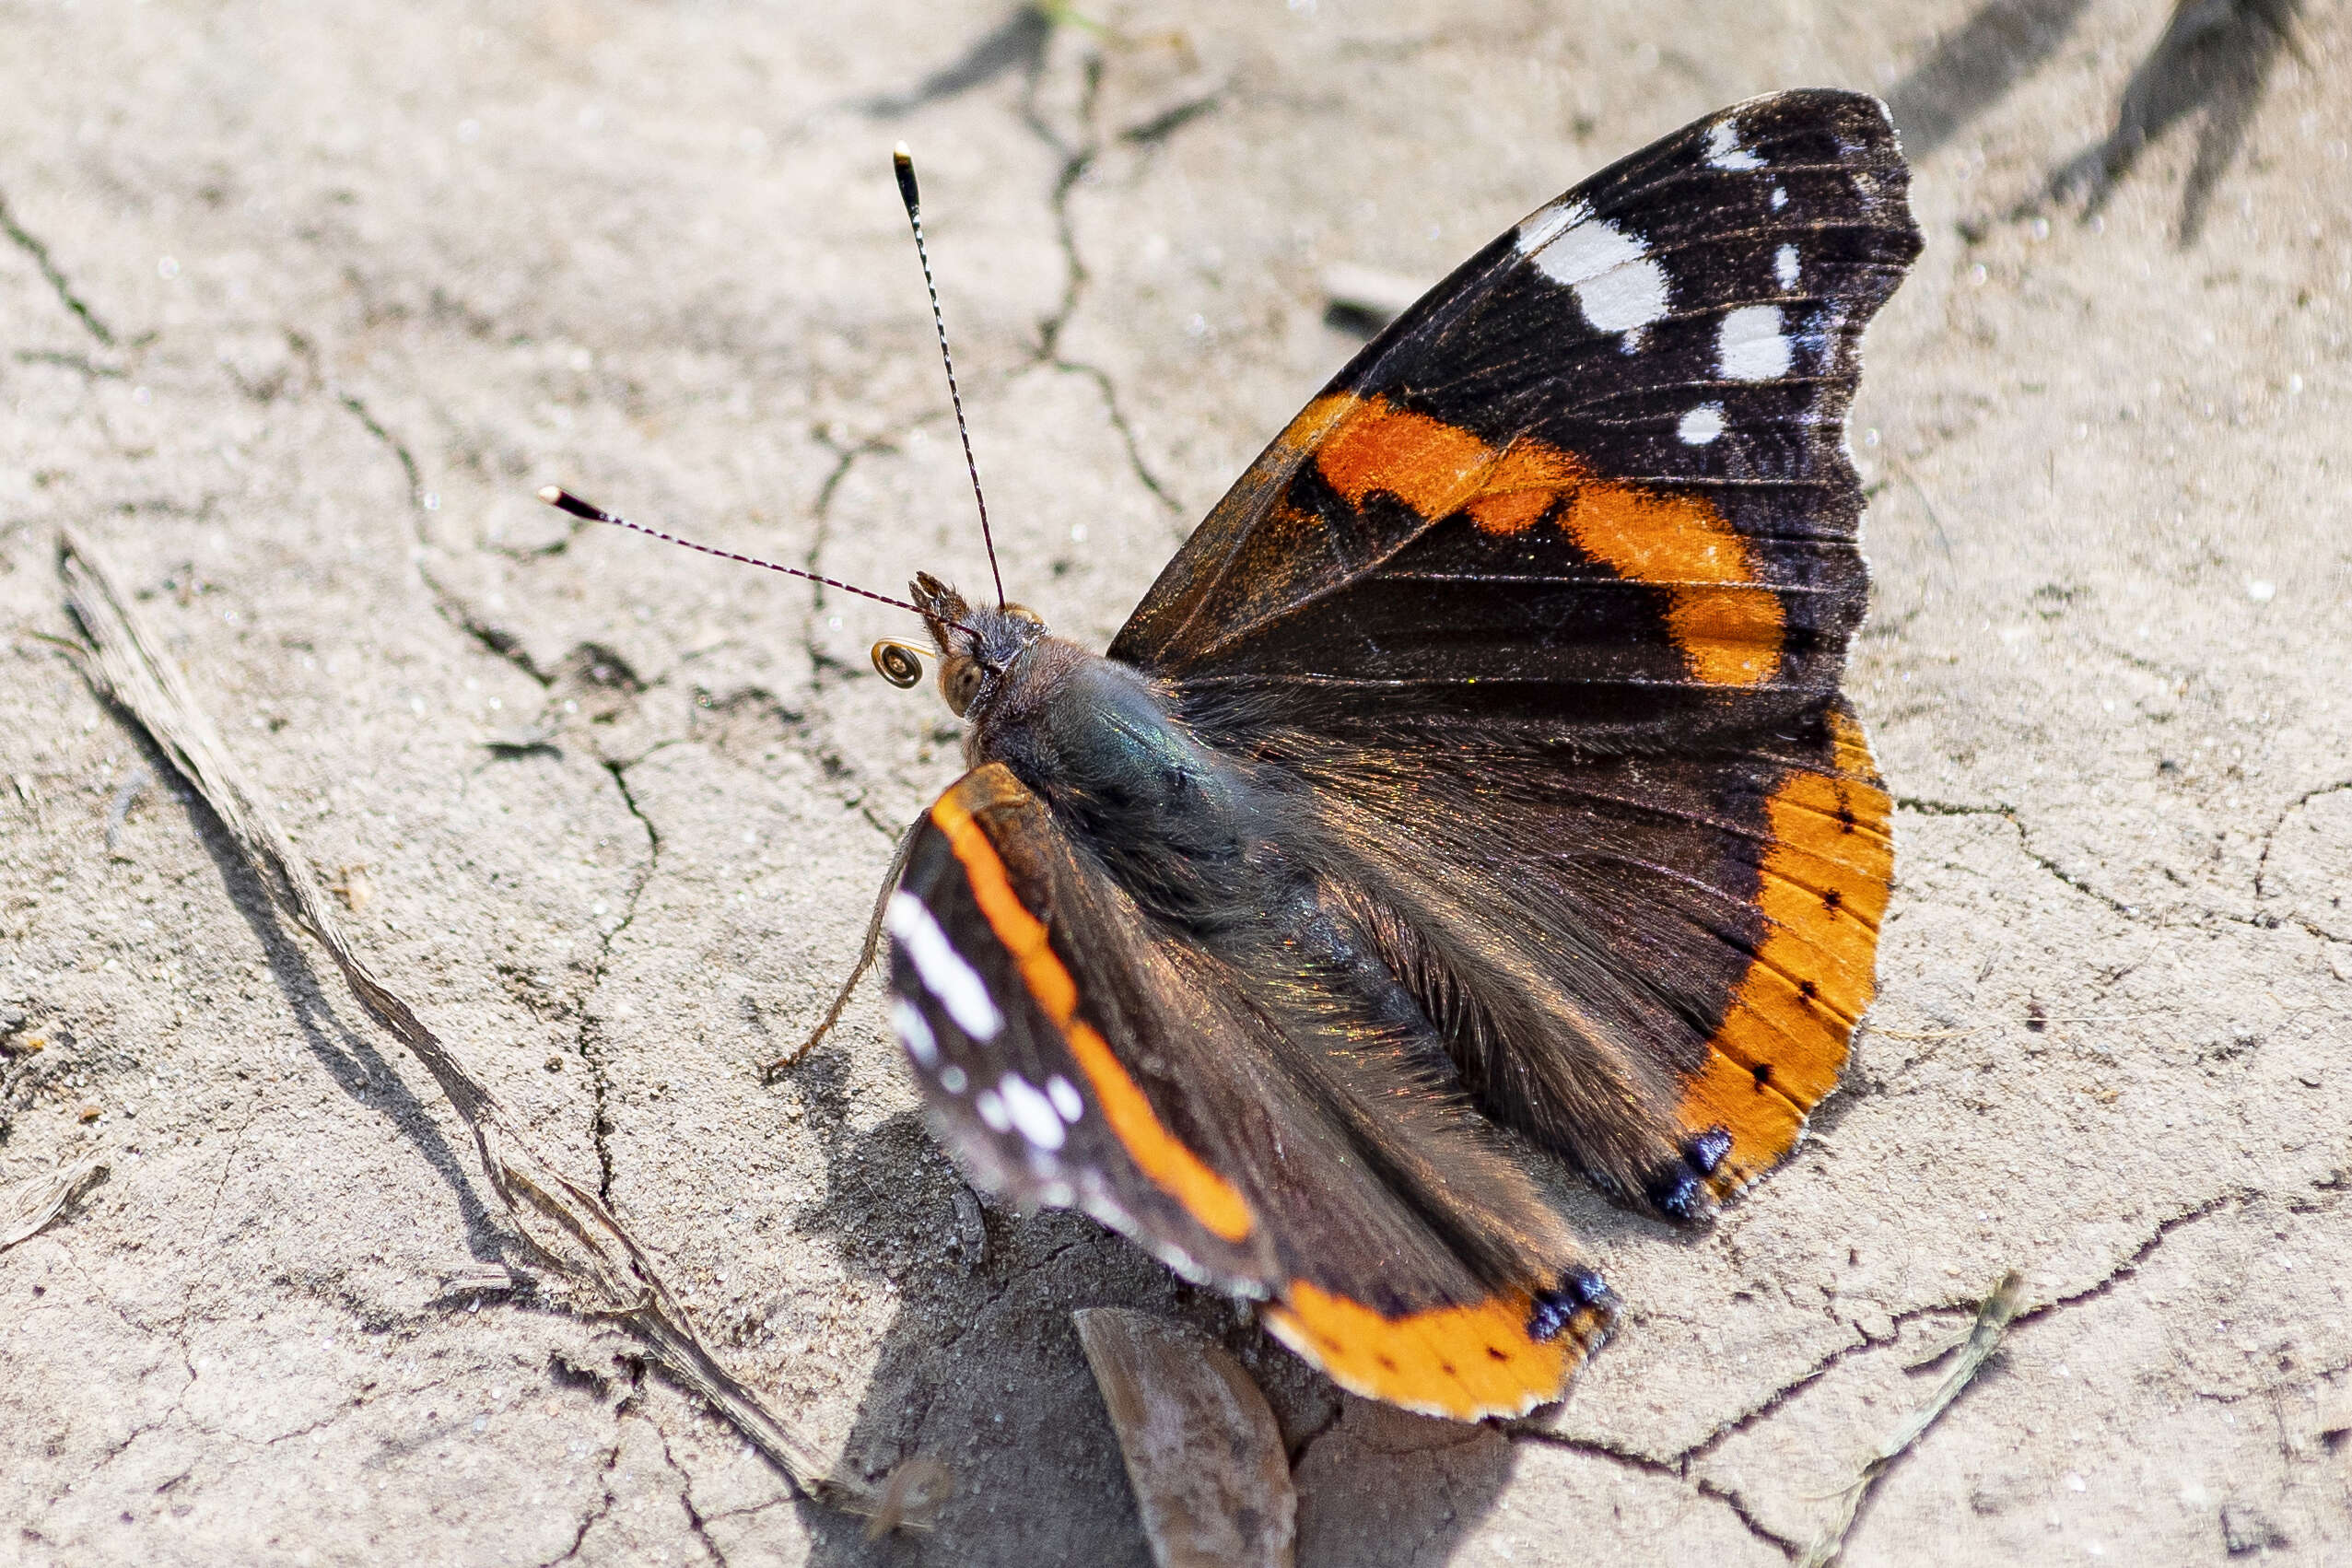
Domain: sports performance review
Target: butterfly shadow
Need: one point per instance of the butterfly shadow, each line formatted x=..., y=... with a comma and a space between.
x=1975, y=66
x=363, y=1074
x=979, y=1370
x=1015, y=46
x=2215, y=59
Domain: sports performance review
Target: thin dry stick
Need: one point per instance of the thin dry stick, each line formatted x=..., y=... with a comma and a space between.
x=1992, y=1322
x=562, y=1223
x=25, y=1211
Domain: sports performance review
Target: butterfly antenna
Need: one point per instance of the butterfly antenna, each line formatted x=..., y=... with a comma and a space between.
x=903, y=163
x=564, y=501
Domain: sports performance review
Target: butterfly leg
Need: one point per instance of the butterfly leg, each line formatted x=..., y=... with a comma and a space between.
x=866, y=955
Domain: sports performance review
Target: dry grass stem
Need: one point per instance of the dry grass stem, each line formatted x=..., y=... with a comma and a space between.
x=1992, y=1322
x=34, y=1203
x=566, y=1228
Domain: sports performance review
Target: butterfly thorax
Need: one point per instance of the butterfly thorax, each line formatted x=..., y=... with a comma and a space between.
x=1176, y=824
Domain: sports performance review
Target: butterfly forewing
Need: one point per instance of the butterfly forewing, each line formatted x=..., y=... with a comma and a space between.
x=1594, y=487
x=1011, y=1055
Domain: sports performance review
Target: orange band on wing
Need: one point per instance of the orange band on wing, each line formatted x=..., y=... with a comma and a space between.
x=1822, y=892
x=1207, y=1196
x=1463, y=1362
x=1728, y=624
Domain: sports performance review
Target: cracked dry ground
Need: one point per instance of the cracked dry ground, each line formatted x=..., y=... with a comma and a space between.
x=298, y=312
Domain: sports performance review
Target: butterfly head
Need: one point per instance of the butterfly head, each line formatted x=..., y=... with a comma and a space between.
x=978, y=644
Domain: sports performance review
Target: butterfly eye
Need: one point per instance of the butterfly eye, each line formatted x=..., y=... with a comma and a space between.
x=959, y=682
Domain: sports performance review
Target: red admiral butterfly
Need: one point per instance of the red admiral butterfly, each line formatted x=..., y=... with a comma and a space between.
x=1473, y=789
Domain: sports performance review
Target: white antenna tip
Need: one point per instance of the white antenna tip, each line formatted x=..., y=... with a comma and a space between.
x=550, y=495
x=901, y=151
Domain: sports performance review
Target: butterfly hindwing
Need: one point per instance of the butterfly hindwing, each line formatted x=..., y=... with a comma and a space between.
x=1545, y=603
x=1649, y=963
x=1074, y=1054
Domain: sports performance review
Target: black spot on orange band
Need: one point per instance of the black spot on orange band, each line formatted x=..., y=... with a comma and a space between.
x=1822, y=892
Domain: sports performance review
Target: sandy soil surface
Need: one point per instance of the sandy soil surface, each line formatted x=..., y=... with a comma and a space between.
x=300, y=304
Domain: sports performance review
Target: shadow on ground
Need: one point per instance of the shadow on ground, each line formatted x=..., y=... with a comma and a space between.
x=2213, y=63
x=980, y=1370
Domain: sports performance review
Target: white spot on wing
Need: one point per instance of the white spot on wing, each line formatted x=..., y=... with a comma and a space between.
x=1785, y=265
x=1585, y=250
x=992, y=1108
x=955, y=983
x=1750, y=346
x=1701, y=425
x=908, y=1024
x=1780, y=198
x=1618, y=285
x=1030, y=1111
x=952, y=1079
x=1724, y=150
x=1549, y=224
x=1065, y=1097
x=1625, y=300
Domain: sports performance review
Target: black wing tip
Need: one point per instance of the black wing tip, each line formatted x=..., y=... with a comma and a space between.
x=1864, y=132
x=1814, y=105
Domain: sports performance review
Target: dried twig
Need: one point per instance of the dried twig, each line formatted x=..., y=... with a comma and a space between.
x=1992, y=1322
x=34, y=1203
x=563, y=1223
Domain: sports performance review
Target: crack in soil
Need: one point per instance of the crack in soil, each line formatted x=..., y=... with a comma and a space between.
x=596, y=1513
x=504, y=645
x=1677, y=1466
x=695, y=1521
x=31, y=246
x=212, y=1212
x=81, y=365
x=2262, y=863
x=450, y=605
x=813, y=558
x=1922, y=806
x=2117, y=1272
x=2025, y=847
x=1075, y=163
x=585, y=1042
x=623, y=1409
x=1299, y=1450
x=1644, y=1464
x=1748, y=1520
